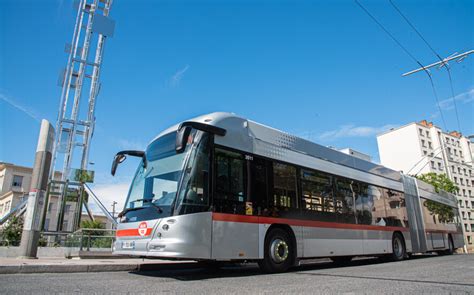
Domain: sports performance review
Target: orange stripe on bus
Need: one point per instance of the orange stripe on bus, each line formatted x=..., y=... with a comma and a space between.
x=299, y=222
x=132, y=232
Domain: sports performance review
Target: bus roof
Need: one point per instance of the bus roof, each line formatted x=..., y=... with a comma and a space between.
x=256, y=138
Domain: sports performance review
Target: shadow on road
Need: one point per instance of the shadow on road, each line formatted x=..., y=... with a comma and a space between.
x=195, y=271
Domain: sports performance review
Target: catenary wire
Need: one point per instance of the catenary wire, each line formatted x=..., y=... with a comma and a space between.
x=409, y=54
x=435, y=53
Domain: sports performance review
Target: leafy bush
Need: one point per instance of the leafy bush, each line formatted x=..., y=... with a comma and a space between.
x=11, y=234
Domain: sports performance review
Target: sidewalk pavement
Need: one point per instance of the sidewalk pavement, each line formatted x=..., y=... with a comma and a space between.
x=63, y=265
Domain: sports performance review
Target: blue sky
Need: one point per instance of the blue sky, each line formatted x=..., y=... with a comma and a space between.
x=319, y=69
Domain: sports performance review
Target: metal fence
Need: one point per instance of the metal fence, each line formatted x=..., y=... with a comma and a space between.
x=84, y=239
x=87, y=238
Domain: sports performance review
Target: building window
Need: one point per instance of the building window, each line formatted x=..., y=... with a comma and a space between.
x=421, y=131
x=427, y=133
x=65, y=224
x=423, y=143
x=50, y=207
x=425, y=152
x=433, y=165
x=7, y=206
x=17, y=180
x=46, y=225
x=67, y=208
x=440, y=167
x=429, y=145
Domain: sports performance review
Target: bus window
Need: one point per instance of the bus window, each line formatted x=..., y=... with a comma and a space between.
x=194, y=196
x=376, y=205
x=283, y=202
x=259, y=186
x=229, y=192
x=345, y=200
x=317, y=196
x=364, y=204
x=395, y=208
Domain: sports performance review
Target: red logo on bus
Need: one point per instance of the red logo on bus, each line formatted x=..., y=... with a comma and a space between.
x=142, y=229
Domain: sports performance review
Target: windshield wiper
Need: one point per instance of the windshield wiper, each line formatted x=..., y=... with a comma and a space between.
x=151, y=202
x=128, y=210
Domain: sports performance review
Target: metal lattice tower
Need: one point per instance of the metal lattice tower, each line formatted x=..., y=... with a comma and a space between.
x=80, y=85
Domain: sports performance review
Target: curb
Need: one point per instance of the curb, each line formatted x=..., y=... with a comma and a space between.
x=78, y=268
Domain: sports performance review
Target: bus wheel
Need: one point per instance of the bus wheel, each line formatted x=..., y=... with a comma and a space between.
x=450, y=249
x=341, y=260
x=398, y=247
x=278, y=252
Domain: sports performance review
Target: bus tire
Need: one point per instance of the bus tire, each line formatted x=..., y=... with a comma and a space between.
x=450, y=250
x=341, y=260
x=279, y=252
x=398, y=247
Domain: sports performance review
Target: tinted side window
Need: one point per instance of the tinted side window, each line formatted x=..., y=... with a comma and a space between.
x=230, y=180
x=364, y=204
x=345, y=201
x=317, y=196
x=283, y=201
x=259, y=183
x=395, y=208
x=377, y=205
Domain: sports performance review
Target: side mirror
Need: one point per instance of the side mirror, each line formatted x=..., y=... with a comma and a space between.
x=119, y=158
x=182, y=138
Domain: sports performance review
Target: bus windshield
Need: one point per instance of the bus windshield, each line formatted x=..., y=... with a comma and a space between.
x=154, y=186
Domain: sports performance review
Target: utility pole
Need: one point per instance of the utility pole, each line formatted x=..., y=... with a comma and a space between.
x=113, y=210
x=36, y=197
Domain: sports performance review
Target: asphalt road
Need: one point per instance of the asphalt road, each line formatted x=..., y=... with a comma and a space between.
x=428, y=274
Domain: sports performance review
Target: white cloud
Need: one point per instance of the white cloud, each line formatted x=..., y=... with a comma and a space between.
x=176, y=78
x=353, y=131
x=464, y=98
x=30, y=113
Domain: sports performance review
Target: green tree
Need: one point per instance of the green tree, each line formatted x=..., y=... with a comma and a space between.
x=440, y=182
x=11, y=233
x=96, y=238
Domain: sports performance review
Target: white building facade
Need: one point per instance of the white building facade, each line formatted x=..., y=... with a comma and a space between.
x=421, y=147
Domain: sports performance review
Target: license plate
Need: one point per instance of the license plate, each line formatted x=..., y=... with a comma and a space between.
x=128, y=245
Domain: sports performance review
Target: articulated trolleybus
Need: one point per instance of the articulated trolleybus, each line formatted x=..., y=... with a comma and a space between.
x=224, y=188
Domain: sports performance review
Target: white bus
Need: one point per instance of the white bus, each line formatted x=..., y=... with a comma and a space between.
x=223, y=188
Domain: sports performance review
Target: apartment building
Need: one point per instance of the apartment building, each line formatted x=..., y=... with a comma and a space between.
x=421, y=147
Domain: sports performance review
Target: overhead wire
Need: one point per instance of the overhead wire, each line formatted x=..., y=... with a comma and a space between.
x=437, y=55
x=409, y=54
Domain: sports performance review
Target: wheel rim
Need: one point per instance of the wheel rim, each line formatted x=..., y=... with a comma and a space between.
x=397, y=247
x=279, y=250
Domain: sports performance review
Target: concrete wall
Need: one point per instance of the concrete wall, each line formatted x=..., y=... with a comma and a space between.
x=13, y=252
